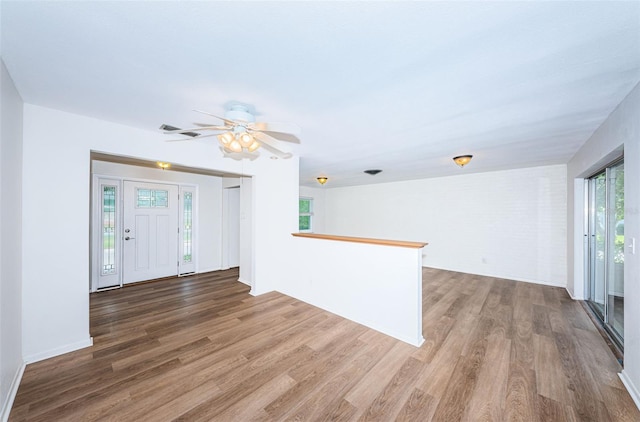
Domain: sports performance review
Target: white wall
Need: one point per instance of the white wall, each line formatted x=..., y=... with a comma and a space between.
x=318, y=195
x=272, y=227
x=620, y=130
x=509, y=224
x=208, y=213
x=56, y=170
x=11, y=363
x=375, y=285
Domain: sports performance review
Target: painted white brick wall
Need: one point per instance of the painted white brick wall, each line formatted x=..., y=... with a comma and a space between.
x=509, y=224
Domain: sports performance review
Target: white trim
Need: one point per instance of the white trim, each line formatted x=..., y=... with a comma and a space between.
x=572, y=296
x=253, y=291
x=631, y=388
x=248, y=283
x=96, y=219
x=224, y=231
x=37, y=357
x=208, y=270
x=13, y=390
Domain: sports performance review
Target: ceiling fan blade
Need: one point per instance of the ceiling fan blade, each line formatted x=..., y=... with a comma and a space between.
x=209, y=125
x=190, y=139
x=271, y=145
x=290, y=128
x=169, y=132
x=282, y=136
x=276, y=127
x=226, y=121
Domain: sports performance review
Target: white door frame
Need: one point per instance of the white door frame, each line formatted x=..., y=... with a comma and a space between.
x=97, y=280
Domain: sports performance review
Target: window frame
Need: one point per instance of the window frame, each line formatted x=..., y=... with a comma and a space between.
x=306, y=214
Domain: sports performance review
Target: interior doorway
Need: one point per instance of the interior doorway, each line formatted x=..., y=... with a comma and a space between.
x=605, y=260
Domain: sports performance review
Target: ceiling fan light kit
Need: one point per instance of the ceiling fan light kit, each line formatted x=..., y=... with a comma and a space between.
x=462, y=160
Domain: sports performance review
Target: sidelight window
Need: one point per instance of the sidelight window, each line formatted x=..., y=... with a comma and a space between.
x=108, y=229
x=187, y=227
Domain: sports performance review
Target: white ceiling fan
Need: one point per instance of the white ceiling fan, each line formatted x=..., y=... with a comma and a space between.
x=240, y=136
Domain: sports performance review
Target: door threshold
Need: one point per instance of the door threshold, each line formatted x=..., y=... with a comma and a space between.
x=153, y=280
x=615, y=348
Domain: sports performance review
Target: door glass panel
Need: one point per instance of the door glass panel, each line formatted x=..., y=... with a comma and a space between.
x=160, y=199
x=151, y=198
x=108, y=230
x=187, y=229
x=606, y=248
x=615, y=291
x=598, y=235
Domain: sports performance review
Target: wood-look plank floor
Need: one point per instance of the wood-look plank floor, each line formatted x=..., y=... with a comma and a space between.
x=202, y=349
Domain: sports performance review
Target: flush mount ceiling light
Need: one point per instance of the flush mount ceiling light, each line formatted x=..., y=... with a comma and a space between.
x=373, y=172
x=462, y=160
x=163, y=165
x=322, y=180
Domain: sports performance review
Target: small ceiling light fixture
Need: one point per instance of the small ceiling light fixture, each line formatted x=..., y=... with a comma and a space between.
x=373, y=172
x=163, y=165
x=462, y=160
x=322, y=180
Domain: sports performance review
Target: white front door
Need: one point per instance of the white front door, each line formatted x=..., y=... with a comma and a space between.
x=150, y=231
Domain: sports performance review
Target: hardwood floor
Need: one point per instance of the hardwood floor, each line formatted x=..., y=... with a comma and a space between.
x=202, y=349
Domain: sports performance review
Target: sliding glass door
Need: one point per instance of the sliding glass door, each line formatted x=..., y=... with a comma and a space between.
x=606, y=248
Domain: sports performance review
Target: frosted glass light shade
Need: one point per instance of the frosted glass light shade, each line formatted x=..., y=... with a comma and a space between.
x=245, y=139
x=225, y=138
x=462, y=160
x=254, y=146
x=235, y=146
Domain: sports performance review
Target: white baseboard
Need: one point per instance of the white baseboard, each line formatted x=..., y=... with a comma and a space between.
x=253, y=292
x=505, y=277
x=572, y=296
x=244, y=282
x=631, y=388
x=13, y=390
x=37, y=357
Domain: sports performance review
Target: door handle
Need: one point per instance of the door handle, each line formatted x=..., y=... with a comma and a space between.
x=129, y=238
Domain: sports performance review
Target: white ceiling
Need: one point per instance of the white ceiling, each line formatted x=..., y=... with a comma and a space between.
x=399, y=86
